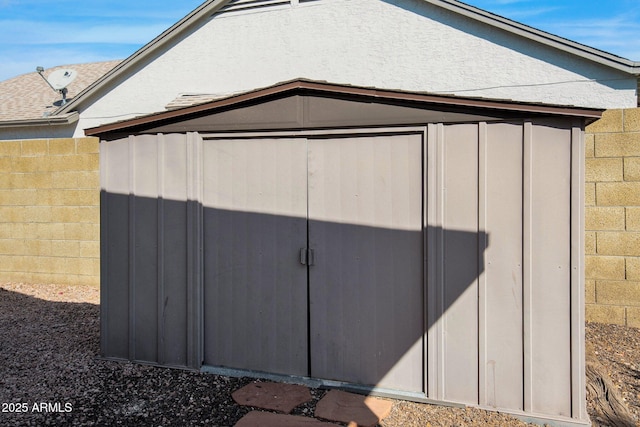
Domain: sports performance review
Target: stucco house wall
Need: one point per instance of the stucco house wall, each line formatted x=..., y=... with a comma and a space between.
x=411, y=45
x=49, y=211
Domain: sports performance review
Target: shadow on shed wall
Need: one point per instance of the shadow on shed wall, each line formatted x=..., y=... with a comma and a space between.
x=255, y=298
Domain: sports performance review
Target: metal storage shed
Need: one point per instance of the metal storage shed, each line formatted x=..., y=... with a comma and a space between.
x=420, y=246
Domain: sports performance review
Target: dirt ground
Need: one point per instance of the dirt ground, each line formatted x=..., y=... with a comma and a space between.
x=49, y=375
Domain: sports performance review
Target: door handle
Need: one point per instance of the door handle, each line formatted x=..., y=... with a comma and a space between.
x=306, y=256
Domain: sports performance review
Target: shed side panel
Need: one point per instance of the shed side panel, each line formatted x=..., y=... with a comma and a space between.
x=503, y=362
x=460, y=234
x=173, y=215
x=144, y=232
x=115, y=248
x=550, y=358
x=144, y=221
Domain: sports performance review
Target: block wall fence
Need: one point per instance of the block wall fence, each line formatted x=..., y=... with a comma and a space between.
x=49, y=211
x=50, y=216
x=612, y=223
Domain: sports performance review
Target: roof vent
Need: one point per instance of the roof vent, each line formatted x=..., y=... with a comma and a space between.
x=253, y=5
x=238, y=5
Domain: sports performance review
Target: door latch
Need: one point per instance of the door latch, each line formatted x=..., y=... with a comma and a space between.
x=306, y=256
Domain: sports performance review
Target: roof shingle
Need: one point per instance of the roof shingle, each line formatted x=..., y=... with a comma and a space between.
x=29, y=97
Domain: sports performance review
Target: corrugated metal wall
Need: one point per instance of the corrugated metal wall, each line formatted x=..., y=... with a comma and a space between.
x=500, y=298
x=150, y=298
x=501, y=323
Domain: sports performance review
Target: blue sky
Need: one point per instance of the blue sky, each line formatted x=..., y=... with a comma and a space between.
x=609, y=25
x=62, y=32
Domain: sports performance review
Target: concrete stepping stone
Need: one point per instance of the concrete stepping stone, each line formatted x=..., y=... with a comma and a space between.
x=273, y=396
x=268, y=419
x=352, y=409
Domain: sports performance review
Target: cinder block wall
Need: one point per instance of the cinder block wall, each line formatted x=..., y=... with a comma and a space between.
x=49, y=211
x=613, y=218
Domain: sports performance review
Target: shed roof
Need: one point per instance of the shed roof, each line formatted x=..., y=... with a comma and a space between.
x=310, y=87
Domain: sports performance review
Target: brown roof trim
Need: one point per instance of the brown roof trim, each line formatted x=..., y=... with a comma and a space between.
x=324, y=88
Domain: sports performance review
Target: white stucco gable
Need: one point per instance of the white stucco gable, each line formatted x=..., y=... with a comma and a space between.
x=412, y=45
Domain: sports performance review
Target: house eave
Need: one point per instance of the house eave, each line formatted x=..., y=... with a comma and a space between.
x=57, y=120
x=569, y=46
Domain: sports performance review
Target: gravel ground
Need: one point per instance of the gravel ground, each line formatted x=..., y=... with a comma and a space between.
x=49, y=374
x=616, y=351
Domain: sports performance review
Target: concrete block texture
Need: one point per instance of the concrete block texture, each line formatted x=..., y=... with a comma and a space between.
x=618, y=243
x=632, y=218
x=605, y=218
x=590, y=242
x=62, y=146
x=623, y=293
x=618, y=194
x=611, y=121
x=589, y=145
x=615, y=315
x=10, y=148
x=632, y=120
x=632, y=169
x=590, y=194
x=35, y=147
x=633, y=317
x=88, y=145
x=5, y=163
x=49, y=211
x=605, y=267
x=590, y=291
x=617, y=144
x=604, y=169
x=633, y=268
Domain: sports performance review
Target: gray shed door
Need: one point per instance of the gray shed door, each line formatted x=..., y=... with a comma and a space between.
x=255, y=222
x=356, y=313
x=365, y=228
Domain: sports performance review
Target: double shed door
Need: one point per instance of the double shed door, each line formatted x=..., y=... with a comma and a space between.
x=313, y=255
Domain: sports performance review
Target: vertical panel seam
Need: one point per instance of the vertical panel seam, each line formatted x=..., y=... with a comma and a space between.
x=482, y=288
x=309, y=353
x=199, y=351
x=431, y=269
x=425, y=262
x=440, y=250
x=577, y=275
x=439, y=245
x=527, y=266
x=132, y=246
x=192, y=265
x=160, y=249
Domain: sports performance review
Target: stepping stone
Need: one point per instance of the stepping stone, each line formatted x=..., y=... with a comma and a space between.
x=267, y=419
x=352, y=409
x=273, y=396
